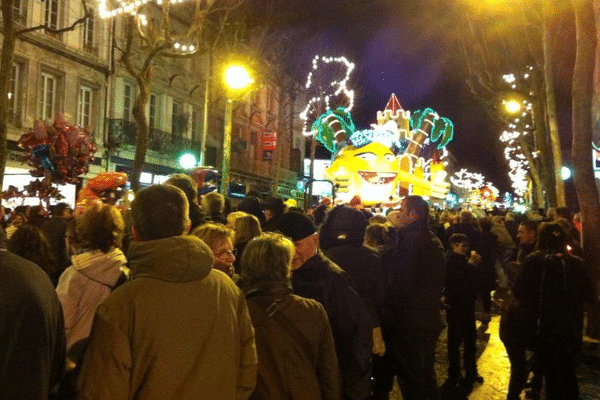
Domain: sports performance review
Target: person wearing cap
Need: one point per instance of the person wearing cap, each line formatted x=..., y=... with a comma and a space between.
x=316, y=277
x=412, y=312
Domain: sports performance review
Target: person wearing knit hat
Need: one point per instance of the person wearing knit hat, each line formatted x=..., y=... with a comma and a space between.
x=316, y=277
x=274, y=207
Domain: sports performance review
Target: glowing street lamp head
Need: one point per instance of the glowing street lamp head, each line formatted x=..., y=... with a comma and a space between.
x=565, y=173
x=187, y=161
x=512, y=106
x=237, y=77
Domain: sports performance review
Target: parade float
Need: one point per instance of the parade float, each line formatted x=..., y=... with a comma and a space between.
x=402, y=154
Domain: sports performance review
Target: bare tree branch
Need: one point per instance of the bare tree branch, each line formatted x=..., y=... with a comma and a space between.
x=87, y=14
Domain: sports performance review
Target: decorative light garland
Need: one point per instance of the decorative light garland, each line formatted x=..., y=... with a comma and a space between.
x=323, y=98
x=127, y=7
x=467, y=180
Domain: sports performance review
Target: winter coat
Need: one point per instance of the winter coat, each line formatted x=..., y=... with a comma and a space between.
x=547, y=309
x=178, y=330
x=84, y=286
x=416, y=280
x=32, y=332
x=55, y=230
x=320, y=279
x=364, y=269
x=461, y=282
x=296, y=353
x=486, y=270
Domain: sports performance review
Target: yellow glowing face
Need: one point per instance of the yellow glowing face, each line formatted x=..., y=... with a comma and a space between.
x=370, y=171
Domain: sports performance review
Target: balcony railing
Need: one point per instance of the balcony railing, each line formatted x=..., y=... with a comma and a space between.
x=124, y=133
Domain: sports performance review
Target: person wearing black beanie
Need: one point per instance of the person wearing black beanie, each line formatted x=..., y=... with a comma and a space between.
x=316, y=277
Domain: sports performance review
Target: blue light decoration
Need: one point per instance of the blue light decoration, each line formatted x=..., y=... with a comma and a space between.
x=508, y=199
x=324, y=127
x=387, y=138
x=442, y=130
x=452, y=200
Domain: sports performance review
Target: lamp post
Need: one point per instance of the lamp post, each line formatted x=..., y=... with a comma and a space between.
x=237, y=80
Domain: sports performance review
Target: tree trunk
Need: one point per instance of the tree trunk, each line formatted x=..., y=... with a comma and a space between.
x=535, y=177
x=551, y=107
x=545, y=156
x=6, y=61
x=585, y=182
x=139, y=114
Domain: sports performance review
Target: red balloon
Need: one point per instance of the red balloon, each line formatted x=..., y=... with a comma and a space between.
x=62, y=148
x=39, y=130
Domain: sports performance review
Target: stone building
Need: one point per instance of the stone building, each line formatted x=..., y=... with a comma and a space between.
x=80, y=74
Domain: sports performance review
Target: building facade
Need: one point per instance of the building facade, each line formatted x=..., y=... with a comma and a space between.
x=79, y=73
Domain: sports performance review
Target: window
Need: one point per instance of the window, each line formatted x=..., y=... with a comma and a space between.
x=14, y=92
x=85, y=106
x=127, y=101
x=19, y=11
x=88, y=31
x=51, y=14
x=176, y=117
x=47, y=96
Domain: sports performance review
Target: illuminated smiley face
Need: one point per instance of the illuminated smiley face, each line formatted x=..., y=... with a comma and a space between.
x=370, y=171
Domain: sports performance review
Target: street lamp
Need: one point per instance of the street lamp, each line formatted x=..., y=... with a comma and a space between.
x=187, y=161
x=512, y=106
x=237, y=79
x=565, y=173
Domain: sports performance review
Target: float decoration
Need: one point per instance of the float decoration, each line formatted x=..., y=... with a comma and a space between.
x=206, y=179
x=399, y=155
x=106, y=187
x=327, y=84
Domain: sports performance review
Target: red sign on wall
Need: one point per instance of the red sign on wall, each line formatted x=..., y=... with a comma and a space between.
x=268, y=144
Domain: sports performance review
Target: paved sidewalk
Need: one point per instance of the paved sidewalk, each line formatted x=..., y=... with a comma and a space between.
x=494, y=366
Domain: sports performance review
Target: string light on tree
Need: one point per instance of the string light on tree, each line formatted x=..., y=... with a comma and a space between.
x=518, y=129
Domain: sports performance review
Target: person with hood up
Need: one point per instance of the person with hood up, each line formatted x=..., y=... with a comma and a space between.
x=341, y=238
x=179, y=329
x=94, y=273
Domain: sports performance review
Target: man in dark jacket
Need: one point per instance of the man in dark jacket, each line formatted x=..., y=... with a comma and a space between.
x=460, y=296
x=412, y=305
x=314, y=276
x=32, y=331
x=55, y=230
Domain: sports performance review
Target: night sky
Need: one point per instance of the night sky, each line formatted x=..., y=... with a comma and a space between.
x=405, y=47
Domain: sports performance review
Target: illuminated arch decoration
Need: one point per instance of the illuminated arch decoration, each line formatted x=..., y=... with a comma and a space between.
x=398, y=156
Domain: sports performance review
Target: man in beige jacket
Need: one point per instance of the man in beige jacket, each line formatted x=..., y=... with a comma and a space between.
x=179, y=329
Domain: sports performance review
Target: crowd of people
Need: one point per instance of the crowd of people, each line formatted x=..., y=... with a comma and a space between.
x=177, y=297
